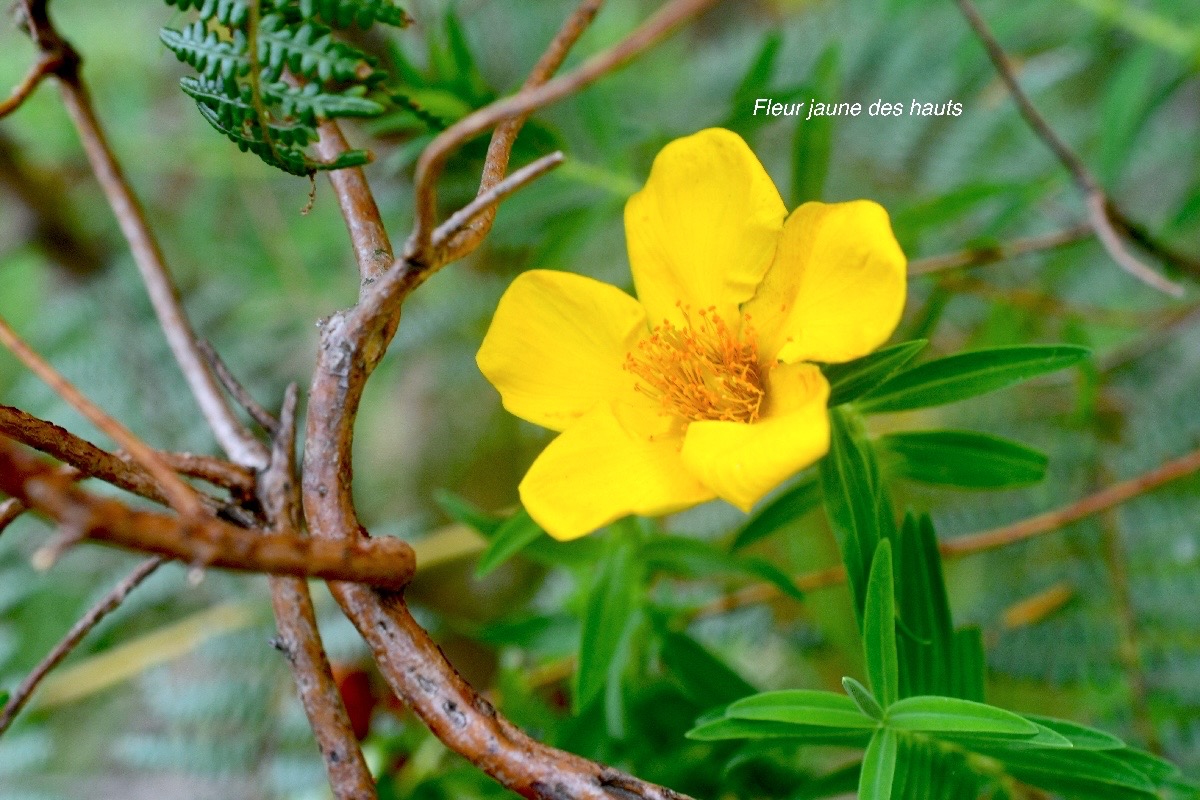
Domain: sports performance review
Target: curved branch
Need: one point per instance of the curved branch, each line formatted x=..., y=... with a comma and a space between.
x=200, y=541
x=95, y=462
x=500, y=147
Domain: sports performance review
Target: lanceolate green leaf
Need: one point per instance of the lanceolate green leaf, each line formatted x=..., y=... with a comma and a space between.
x=967, y=678
x=856, y=502
x=879, y=628
x=693, y=558
x=726, y=728
x=961, y=458
x=802, y=707
x=513, y=536
x=958, y=377
x=863, y=698
x=925, y=645
x=933, y=714
x=779, y=512
x=855, y=378
x=1080, y=736
x=1087, y=773
x=704, y=677
x=879, y=766
x=609, y=610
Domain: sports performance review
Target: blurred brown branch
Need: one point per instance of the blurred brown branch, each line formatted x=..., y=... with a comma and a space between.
x=1110, y=225
x=80, y=629
x=978, y=256
x=1107, y=498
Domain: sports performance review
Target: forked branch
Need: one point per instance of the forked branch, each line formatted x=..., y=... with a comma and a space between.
x=198, y=541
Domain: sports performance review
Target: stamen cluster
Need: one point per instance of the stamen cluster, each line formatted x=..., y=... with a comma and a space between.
x=702, y=371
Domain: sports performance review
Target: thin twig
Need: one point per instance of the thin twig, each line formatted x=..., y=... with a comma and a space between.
x=486, y=202
x=119, y=469
x=1126, y=626
x=236, y=390
x=978, y=256
x=199, y=541
x=1106, y=498
x=45, y=66
x=1099, y=206
x=107, y=604
x=500, y=147
x=433, y=159
x=233, y=438
x=1103, y=500
x=183, y=498
x=10, y=511
x=296, y=622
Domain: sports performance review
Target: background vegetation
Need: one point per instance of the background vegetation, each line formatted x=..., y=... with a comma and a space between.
x=1096, y=622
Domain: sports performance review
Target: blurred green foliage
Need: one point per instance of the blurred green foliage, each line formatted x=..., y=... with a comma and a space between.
x=1118, y=80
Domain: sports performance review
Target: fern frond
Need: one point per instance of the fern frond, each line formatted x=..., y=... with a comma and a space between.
x=228, y=12
x=308, y=51
x=246, y=98
x=363, y=13
x=206, y=52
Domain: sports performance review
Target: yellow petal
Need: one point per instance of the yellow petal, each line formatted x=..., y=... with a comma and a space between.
x=742, y=462
x=703, y=230
x=595, y=473
x=836, y=289
x=557, y=346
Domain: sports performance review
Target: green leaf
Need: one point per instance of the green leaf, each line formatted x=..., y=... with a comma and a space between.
x=781, y=511
x=812, y=144
x=1081, y=737
x=961, y=458
x=856, y=501
x=802, y=707
x=724, y=728
x=855, y=378
x=933, y=714
x=925, y=658
x=879, y=766
x=514, y=535
x=693, y=558
x=957, y=377
x=879, y=628
x=863, y=698
x=705, y=678
x=462, y=510
x=610, y=607
x=1088, y=773
x=969, y=664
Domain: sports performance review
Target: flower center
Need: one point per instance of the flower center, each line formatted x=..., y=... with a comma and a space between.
x=704, y=370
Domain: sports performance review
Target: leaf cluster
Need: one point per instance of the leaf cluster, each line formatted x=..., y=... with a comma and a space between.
x=269, y=73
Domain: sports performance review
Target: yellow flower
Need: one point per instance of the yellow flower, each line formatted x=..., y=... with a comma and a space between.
x=704, y=385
